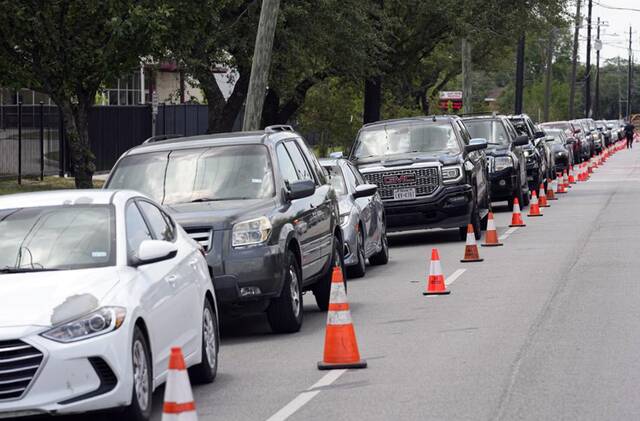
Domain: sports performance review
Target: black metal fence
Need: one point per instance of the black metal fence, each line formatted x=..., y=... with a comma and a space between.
x=32, y=141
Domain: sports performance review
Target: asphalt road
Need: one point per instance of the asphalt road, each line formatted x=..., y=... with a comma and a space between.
x=545, y=328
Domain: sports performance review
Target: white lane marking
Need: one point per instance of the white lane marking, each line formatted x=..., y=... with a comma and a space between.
x=508, y=233
x=303, y=398
x=455, y=275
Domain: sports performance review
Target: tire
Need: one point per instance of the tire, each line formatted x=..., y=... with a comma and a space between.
x=381, y=257
x=524, y=199
x=322, y=289
x=141, y=399
x=360, y=268
x=285, y=313
x=476, y=222
x=206, y=371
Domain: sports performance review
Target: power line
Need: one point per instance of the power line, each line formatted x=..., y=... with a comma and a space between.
x=616, y=8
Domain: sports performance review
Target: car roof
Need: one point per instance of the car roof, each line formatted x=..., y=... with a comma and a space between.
x=210, y=140
x=65, y=197
x=422, y=119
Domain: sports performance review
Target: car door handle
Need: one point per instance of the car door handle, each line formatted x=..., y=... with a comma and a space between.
x=172, y=279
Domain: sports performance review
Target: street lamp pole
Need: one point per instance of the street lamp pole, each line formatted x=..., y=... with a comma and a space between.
x=587, y=80
x=596, y=101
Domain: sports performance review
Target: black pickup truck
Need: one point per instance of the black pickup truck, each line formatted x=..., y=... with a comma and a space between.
x=429, y=172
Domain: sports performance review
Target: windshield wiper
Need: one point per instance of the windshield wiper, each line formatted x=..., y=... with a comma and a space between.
x=8, y=269
x=205, y=199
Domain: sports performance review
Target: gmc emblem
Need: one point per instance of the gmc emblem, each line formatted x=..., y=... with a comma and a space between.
x=399, y=179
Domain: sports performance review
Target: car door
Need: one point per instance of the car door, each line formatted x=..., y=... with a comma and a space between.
x=477, y=159
x=318, y=218
x=155, y=280
x=186, y=291
x=367, y=208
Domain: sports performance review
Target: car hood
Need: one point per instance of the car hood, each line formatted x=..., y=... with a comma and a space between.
x=219, y=215
x=558, y=148
x=48, y=298
x=391, y=161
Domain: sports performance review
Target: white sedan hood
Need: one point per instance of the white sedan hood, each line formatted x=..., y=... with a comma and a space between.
x=48, y=298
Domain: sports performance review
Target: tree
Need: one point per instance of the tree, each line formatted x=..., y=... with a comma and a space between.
x=67, y=49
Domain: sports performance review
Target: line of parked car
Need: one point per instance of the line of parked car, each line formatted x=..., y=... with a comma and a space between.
x=99, y=285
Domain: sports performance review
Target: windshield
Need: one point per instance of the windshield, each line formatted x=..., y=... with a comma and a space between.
x=407, y=138
x=198, y=175
x=56, y=238
x=336, y=178
x=492, y=130
x=558, y=136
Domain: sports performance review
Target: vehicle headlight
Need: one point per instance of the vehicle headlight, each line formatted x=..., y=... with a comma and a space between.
x=452, y=173
x=527, y=154
x=101, y=321
x=502, y=162
x=251, y=232
x=560, y=153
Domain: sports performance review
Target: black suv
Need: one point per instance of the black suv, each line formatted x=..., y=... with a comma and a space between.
x=506, y=160
x=429, y=172
x=260, y=206
x=534, y=151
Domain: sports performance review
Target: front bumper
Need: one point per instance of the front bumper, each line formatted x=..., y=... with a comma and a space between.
x=504, y=184
x=89, y=375
x=449, y=207
x=258, y=267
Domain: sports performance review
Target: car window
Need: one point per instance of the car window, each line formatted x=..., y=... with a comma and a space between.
x=137, y=229
x=287, y=170
x=336, y=179
x=356, y=173
x=300, y=164
x=350, y=178
x=162, y=230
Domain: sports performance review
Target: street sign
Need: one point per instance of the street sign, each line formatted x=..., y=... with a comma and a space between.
x=154, y=103
x=450, y=101
x=453, y=95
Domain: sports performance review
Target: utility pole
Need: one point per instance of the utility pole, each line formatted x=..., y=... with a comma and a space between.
x=629, y=77
x=574, y=61
x=619, y=91
x=587, y=79
x=466, y=76
x=548, y=75
x=596, y=101
x=519, y=75
x=260, y=65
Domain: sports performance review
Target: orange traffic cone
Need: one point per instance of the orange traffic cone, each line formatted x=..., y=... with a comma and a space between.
x=565, y=180
x=178, y=399
x=491, y=235
x=534, y=209
x=516, y=218
x=340, y=345
x=471, y=253
x=543, y=198
x=435, y=281
x=550, y=194
x=572, y=179
x=559, y=184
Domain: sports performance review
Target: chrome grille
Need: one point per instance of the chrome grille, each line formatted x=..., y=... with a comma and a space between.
x=426, y=181
x=202, y=236
x=19, y=363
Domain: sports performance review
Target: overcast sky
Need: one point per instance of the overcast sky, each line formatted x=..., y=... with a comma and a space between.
x=615, y=37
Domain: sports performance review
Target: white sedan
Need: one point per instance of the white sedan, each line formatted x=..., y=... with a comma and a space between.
x=95, y=289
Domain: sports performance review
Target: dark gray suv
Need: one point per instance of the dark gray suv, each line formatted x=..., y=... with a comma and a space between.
x=261, y=208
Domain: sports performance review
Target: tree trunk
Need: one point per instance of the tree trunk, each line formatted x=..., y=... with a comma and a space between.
x=372, y=99
x=222, y=115
x=271, y=109
x=76, y=120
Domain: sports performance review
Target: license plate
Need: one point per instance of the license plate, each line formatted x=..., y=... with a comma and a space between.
x=404, y=194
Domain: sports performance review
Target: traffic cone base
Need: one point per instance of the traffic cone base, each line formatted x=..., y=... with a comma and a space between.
x=471, y=248
x=340, y=345
x=435, y=281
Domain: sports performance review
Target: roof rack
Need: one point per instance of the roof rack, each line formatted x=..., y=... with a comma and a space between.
x=162, y=137
x=482, y=113
x=278, y=128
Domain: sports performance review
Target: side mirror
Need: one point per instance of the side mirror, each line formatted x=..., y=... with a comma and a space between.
x=301, y=189
x=521, y=140
x=336, y=155
x=538, y=135
x=153, y=251
x=476, y=145
x=365, y=190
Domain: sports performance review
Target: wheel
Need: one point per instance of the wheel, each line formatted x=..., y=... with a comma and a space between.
x=140, y=408
x=358, y=270
x=285, y=312
x=381, y=257
x=322, y=289
x=206, y=371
